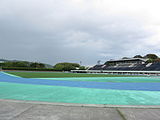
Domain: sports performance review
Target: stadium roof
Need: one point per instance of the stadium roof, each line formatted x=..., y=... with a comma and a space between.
x=129, y=59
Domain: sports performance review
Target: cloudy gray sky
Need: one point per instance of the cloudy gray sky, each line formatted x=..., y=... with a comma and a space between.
x=54, y=31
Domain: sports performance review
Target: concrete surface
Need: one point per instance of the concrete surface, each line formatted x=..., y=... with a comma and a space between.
x=28, y=110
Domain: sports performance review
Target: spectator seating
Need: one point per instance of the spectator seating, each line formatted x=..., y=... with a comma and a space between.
x=129, y=67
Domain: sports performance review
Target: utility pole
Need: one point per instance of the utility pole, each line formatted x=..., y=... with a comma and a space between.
x=80, y=63
x=0, y=68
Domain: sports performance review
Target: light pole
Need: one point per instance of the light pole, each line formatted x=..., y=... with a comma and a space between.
x=80, y=63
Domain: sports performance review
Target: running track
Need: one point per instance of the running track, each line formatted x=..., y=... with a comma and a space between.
x=83, y=84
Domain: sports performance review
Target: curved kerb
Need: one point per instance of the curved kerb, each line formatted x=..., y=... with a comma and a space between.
x=82, y=105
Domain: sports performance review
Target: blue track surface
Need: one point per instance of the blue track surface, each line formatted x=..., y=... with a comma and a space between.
x=84, y=84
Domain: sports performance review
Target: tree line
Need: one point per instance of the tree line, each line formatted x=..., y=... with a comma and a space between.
x=151, y=57
x=65, y=66
x=24, y=65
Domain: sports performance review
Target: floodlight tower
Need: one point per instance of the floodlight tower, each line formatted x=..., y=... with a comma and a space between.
x=1, y=68
x=80, y=63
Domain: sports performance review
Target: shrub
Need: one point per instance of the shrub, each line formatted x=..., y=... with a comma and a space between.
x=28, y=69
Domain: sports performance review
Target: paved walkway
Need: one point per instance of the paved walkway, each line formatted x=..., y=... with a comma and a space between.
x=26, y=110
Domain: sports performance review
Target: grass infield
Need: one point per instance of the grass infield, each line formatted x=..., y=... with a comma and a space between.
x=61, y=75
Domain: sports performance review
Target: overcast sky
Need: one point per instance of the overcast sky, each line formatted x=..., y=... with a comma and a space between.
x=52, y=31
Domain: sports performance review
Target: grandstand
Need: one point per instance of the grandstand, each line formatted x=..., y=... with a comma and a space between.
x=132, y=64
x=126, y=66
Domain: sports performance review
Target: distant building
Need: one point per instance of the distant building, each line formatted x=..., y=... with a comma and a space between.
x=2, y=60
x=133, y=66
x=129, y=64
x=126, y=62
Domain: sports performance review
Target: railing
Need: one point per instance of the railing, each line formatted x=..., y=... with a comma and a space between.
x=155, y=73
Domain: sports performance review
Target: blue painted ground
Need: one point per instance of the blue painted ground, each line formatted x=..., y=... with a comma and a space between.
x=83, y=84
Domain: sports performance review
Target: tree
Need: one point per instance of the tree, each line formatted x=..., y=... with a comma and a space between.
x=151, y=56
x=75, y=64
x=16, y=64
x=82, y=68
x=37, y=65
x=59, y=67
x=1, y=64
x=66, y=66
x=157, y=60
x=20, y=64
x=150, y=61
x=138, y=56
x=41, y=65
x=125, y=58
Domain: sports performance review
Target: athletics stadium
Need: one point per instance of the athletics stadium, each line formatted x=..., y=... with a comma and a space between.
x=139, y=85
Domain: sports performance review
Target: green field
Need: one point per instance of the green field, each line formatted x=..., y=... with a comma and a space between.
x=61, y=75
